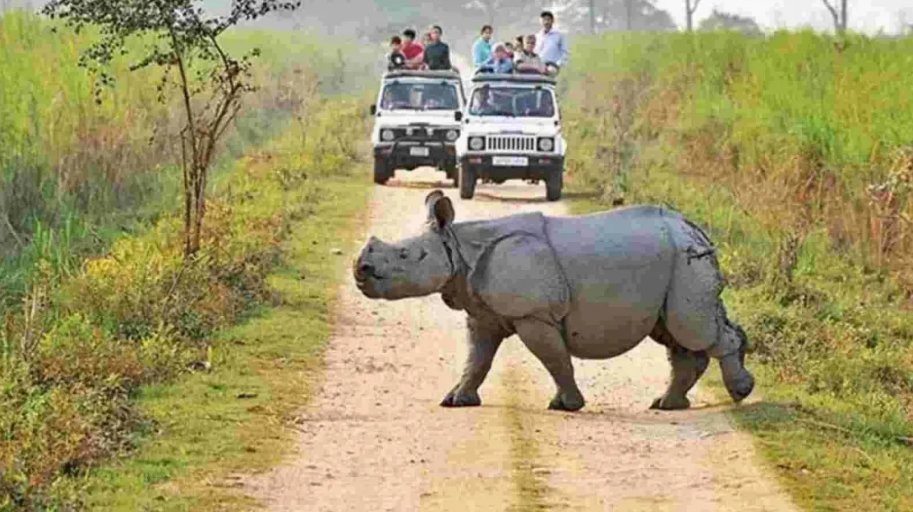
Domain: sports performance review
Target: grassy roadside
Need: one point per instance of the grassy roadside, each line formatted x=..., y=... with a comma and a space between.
x=825, y=453
x=235, y=418
x=95, y=351
x=803, y=182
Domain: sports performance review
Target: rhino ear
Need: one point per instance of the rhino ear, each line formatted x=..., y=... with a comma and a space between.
x=440, y=210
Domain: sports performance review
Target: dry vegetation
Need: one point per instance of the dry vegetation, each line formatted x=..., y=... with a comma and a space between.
x=97, y=300
x=794, y=151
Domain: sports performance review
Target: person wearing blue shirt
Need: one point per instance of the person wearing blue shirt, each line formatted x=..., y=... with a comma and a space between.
x=551, y=45
x=481, y=50
x=500, y=61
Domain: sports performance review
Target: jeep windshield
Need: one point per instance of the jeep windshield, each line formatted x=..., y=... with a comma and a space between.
x=512, y=102
x=420, y=96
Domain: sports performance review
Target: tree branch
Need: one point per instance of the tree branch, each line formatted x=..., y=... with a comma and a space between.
x=835, y=14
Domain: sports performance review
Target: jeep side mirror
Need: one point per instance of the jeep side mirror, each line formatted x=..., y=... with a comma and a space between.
x=373, y=110
x=458, y=116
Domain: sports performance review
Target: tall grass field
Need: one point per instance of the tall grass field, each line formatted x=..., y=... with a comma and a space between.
x=795, y=150
x=96, y=301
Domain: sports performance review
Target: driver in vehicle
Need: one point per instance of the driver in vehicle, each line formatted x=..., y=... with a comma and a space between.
x=394, y=97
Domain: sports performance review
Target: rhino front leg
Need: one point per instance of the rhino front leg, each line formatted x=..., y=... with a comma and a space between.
x=484, y=341
x=547, y=344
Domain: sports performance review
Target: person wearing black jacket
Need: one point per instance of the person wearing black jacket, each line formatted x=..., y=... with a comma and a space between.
x=437, y=54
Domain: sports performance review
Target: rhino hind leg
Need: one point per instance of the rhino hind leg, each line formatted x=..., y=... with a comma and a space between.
x=687, y=369
x=696, y=317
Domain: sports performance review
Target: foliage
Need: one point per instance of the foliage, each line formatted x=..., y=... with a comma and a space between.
x=792, y=151
x=91, y=332
x=720, y=20
x=177, y=32
x=615, y=15
x=214, y=425
x=74, y=175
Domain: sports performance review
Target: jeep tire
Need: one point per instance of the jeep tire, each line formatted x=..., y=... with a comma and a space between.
x=553, y=185
x=467, y=182
x=382, y=171
x=452, y=174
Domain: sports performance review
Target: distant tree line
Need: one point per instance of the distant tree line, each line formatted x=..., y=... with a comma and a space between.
x=376, y=20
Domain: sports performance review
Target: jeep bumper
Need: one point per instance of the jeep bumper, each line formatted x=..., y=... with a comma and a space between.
x=411, y=154
x=490, y=167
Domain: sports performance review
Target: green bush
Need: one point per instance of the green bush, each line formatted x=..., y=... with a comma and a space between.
x=792, y=151
x=94, y=327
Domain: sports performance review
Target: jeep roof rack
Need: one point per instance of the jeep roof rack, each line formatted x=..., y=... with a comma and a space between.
x=420, y=73
x=530, y=78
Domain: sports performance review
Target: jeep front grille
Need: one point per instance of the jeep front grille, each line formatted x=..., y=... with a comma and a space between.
x=511, y=143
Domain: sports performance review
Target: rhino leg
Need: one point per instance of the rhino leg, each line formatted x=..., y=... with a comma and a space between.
x=547, y=344
x=484, y=341
x=687, y=368
x=730, y=350
x=696, y=317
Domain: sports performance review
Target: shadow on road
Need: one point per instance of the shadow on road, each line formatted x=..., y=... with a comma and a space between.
x=419, y=184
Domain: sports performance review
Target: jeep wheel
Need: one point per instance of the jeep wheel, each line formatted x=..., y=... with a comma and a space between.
x=453, y=174
x=553, y=185
x=382, y=171
x=467, y=182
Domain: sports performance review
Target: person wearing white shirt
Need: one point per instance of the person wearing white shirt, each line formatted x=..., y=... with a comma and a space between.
x=551, y=45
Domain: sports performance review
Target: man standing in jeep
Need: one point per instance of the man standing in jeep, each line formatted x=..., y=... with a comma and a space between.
x=437, y=54
x=551, y=45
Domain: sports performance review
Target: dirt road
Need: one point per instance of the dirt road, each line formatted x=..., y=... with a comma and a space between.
x=375, y=438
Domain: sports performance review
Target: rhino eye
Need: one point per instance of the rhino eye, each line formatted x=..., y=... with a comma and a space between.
x=404, y=254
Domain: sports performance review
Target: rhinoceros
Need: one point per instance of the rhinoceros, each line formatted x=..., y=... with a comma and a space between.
x=591, y=286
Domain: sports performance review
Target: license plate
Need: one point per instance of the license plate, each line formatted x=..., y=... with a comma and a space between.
x=510, y=161
x=419, y=151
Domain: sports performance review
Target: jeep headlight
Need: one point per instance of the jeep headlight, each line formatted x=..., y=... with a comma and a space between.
x=387, y=135
x=476, y=143
x=546, y=144
x=452, y=135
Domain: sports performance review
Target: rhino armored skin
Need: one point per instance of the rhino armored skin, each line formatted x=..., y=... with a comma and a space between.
x=591, y=287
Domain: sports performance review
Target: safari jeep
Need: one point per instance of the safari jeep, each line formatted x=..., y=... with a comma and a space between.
x=511, y=130
x=417, y=122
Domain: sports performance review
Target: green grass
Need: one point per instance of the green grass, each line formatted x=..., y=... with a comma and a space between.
x=76, y=175
x=101, y=325
x=770, y=143
x=205, y=430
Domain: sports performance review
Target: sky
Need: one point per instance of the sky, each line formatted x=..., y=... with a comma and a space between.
x=865, y=15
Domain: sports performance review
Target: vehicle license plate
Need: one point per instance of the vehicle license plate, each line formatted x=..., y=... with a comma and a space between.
x=510, y=161
x=419, y=151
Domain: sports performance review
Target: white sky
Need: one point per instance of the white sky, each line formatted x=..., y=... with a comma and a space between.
x=865, y=15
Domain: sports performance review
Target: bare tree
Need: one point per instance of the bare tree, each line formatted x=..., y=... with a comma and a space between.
x=839, y=13
x=177, y=33
x=690, y=8
x=629, y=15
x=592, y=16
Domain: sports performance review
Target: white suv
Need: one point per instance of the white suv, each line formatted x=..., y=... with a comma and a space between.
x=417, y=122
x=511, y=130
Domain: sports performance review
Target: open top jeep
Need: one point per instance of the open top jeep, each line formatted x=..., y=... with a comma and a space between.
x=511, y=130
x=417, y=122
